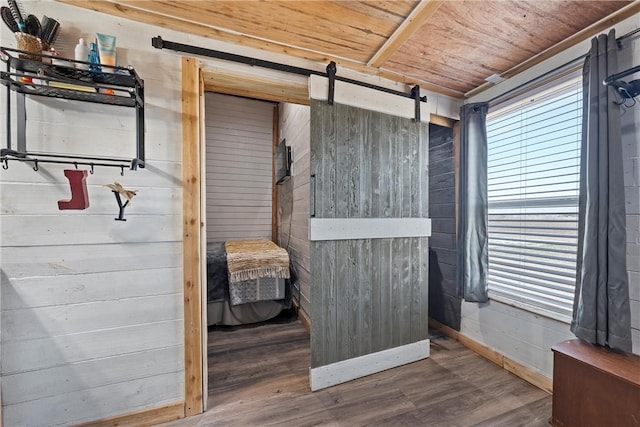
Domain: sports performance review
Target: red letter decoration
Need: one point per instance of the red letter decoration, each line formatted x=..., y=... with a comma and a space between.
x=79, y=198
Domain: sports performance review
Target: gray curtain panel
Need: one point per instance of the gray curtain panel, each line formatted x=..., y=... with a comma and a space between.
x=601, y=313
x=473, y=253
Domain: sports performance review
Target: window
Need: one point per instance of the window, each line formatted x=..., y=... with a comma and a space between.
x=533, y=183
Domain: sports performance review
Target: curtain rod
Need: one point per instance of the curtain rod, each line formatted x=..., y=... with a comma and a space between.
x=159, y=43
x=509, y=93
x=621, y=74
x=629, y=34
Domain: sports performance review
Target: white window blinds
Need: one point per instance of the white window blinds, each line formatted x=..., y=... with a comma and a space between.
x=533, y=183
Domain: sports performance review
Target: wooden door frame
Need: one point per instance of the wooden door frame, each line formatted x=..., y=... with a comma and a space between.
x=196, y=79
x=192, y=228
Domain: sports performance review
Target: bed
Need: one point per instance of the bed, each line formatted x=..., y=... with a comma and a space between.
x=248, y=281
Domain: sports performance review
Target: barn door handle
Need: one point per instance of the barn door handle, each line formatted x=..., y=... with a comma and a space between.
x=312, y=195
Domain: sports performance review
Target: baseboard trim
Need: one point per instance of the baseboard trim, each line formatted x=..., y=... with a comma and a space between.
x=302, y=315
x=518, y=369
x=145, y=417
x=358, y=367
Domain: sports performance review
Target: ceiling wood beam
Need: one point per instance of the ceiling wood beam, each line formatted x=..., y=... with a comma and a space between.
x=412, y=23
x=592, y=30
x=177, y=24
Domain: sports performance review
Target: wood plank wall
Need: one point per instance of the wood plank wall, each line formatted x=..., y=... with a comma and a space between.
x=92, y=308
x=444, y=292
x=371, y=294
x=293, y=199
x=239, y=167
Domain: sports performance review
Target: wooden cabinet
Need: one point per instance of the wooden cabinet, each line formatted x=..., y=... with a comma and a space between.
x=594, y=386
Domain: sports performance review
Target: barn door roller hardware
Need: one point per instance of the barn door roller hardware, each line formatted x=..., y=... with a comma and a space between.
x=415, y=94
x=159, y=43
x=331, y=73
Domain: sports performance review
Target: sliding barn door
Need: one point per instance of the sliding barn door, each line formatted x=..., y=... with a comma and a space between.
x=369, y=244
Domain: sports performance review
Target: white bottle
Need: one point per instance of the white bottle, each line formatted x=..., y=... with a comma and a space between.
x=82, y=54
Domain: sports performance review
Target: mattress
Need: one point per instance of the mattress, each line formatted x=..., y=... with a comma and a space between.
x=248, y=301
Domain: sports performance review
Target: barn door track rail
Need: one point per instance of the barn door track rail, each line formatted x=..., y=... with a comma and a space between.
x=330, y=73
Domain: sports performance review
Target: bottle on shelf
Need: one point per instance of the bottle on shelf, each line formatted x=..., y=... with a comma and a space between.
x=94, y=59
x=82, y=54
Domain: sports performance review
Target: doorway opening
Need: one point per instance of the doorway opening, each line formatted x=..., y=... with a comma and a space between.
x=253, y=332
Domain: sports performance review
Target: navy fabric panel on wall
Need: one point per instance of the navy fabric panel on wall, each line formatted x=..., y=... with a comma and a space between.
x=444, y=294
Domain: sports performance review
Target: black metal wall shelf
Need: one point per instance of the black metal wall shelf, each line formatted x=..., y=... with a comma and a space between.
x=43, y=89
x=27, y=74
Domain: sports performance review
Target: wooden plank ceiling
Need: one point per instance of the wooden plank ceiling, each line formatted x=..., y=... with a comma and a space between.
x=449, y=46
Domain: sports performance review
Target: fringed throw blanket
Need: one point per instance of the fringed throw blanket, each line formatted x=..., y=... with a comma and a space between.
x=252, y=259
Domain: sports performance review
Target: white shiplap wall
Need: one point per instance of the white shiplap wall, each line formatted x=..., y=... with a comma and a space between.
x=91, y=308
x=293, y=198
x=527, y=337
x=239, y=134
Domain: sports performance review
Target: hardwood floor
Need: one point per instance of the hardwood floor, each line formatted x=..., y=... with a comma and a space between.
x=258, y=376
